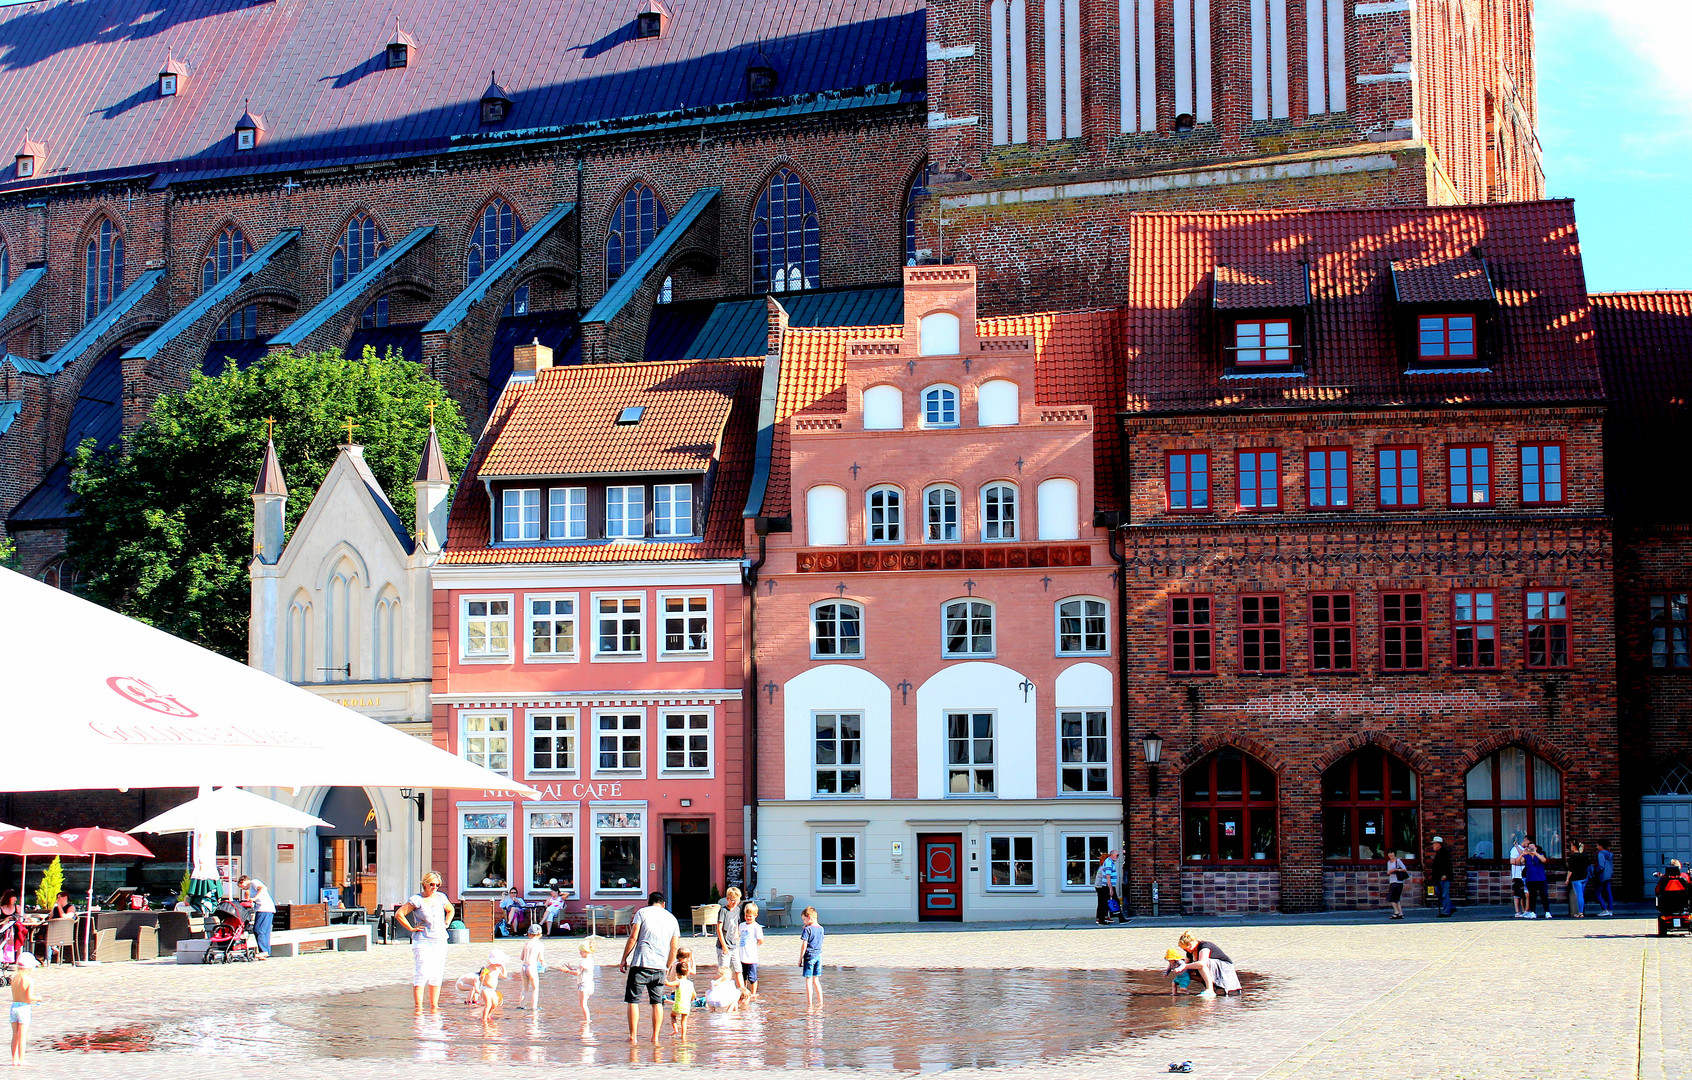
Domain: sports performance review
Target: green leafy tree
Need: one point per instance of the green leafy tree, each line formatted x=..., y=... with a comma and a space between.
x=8, y=554
x=164, y=526
x=52, y=884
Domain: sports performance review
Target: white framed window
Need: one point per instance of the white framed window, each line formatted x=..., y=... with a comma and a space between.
x=687, y=625
x=837, y=862
x=484, y=738
x=998, y=512
x=884, y=409
x=837, y=744
x=625, y=513
x=940, y=406
x=967, y=628
x=552, y=628
x=687, y=742
x=484, y=627
x=520, y=516
x=1010, y=864
x=672, y=510
x=970, y=753
x=484, y=847
x=619, y=742
x=1083, y=627
x=884, y=515
x=566, y=513
x=619, y=627
x=1083, y=752
x=940, y=514
x=1082, y=853
x=551, y=833
x=837, y=629
x=552, y=743
x=619, y=855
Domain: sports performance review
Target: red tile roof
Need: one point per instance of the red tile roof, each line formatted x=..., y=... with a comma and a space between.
x=1645, y=344
x=1263, y=285
x=1442, y=281
x=555, y=419
x=1532, y=250
x=1077, y=356
x=81, y=75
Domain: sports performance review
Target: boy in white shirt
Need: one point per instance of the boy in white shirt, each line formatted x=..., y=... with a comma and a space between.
x=751, y=936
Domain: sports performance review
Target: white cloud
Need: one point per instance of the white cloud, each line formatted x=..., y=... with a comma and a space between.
x=1656, y=31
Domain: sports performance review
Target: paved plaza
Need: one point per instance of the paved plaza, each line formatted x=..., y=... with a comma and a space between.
x=1480, y=996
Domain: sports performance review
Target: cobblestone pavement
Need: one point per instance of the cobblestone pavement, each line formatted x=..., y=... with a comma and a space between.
x=1480, y=996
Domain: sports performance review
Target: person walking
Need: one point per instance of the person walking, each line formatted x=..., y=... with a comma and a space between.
x=1606, y=867
x=649, y=957
x=1104, y=883
x=1574, y=876
x=1397, y=874
x=1440, y=868
x=1534, y=877
x=425, y=916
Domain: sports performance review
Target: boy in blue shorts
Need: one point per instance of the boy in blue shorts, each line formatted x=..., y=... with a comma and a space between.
x=810, y=957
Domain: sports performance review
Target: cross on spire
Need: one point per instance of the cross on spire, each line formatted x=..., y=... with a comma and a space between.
x=431, y=414
x=269, y=428
x=350, y=427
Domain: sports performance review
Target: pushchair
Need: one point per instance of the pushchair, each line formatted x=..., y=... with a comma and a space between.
x=228, y=940
x=1674, y=903
x=14, y=942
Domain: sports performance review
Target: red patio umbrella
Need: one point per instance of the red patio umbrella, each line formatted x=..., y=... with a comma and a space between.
x=94, y=842
x=27, y=842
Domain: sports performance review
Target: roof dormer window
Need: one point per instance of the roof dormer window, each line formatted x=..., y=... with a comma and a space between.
x=400, y=47
x=28, y=158
x=1260, y=309
x=1263, y=342
x=760, y=77
x=248, y=130
x=1444, y=303
x=167, y=85
x=170, y=76
x=496, y=102
x=650, y=22
x=1445, y=337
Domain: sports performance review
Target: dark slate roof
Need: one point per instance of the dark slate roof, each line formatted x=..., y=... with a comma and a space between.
x=81, y=74
x=1541, y=331
x=407, y=340
x=219, y=353
x=97, y=415
x=1645, y=345
x=740, y=326
x=554, y=329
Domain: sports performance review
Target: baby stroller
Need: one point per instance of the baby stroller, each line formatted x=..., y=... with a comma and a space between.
x=1674, y=902
x=228, y=940
x=14, y=941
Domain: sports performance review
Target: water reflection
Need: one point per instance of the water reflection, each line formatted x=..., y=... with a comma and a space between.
x=876, y=1018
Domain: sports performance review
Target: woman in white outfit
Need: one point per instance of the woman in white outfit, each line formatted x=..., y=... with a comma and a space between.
x=426, y=916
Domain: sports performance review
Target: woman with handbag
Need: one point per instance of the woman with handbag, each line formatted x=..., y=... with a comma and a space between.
x=1397, y=874
x=1104, y=883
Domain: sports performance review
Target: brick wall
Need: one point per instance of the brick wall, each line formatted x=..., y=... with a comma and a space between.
x=1366, y=888
x=1229, y=892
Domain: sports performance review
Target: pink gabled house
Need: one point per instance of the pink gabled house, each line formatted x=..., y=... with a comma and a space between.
x=589, y=633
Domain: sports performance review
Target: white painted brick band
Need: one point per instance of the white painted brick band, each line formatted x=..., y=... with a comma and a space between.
x=1171, y=181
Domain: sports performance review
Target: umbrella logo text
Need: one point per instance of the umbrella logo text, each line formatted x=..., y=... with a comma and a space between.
x=144, y=695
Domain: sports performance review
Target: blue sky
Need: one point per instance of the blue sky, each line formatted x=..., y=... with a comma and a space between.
x=1615, y=122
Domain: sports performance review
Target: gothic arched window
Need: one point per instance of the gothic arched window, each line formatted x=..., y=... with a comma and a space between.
x=1369, y=808
x=228, y=251
x=357, y=248
x=498, y=229
x=786, y=240
x=5, y=266
x=105, y=268
x=637, y=219
x=1228, y=809
x=914, y=199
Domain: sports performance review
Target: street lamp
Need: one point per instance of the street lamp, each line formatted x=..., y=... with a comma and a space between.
x=417, y=798
x=1152, y=744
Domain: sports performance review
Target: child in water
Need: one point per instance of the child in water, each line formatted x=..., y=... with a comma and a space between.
x=23, y=996
x=533, y=962
x=487, y=982
x=1179, y=980
x=583, y=971
x=682, y=1007
x=723, y=996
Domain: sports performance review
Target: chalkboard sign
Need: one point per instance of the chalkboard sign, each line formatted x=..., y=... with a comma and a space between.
x=734, y=872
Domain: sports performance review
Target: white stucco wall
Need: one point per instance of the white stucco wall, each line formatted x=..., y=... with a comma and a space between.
x=978, y=685
x=838, y=688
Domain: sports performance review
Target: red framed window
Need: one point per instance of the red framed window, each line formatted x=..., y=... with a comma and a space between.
x=1547, y=628
x=1474, y=630
x=1469, y=475
x=1542, y=474
x=1262, y=342
x=1188, y=484
x=1327, y=477
x=1333, y=632
x=1261, y=634
x=1259, y=474
x=1369, y=809
x=1671, y=619
x=1228, y=810
x=1399, y=473
x=1190, y=634
x=1445, y=337
x=1404, y=630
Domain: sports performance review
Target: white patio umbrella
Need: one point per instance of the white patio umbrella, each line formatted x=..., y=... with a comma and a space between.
x=98, y=700
x=230, y=810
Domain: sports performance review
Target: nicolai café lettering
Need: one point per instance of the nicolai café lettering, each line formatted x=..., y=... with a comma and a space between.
x=555, y=792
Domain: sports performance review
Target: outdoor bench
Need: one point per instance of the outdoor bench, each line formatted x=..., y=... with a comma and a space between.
x=342, y=938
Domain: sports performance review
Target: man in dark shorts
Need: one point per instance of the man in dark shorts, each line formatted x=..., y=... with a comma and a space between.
x=649, y=956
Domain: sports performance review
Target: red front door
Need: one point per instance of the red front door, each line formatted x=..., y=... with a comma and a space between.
x=940, y=877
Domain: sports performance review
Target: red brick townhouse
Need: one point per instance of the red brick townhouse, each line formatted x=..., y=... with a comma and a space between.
x=938, y=734
x=589, y=632
x=1370, y=581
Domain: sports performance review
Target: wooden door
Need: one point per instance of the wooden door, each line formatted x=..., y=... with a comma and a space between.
x=940, y=877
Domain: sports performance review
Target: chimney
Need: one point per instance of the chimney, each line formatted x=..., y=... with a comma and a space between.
x=530, y=358
x=431, y=485
x=270, y=500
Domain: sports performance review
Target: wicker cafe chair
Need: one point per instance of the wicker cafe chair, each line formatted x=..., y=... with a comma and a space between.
x=621, y=919
x=61, y=941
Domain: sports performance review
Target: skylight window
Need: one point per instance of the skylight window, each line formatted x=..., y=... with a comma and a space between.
x=631, y=415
